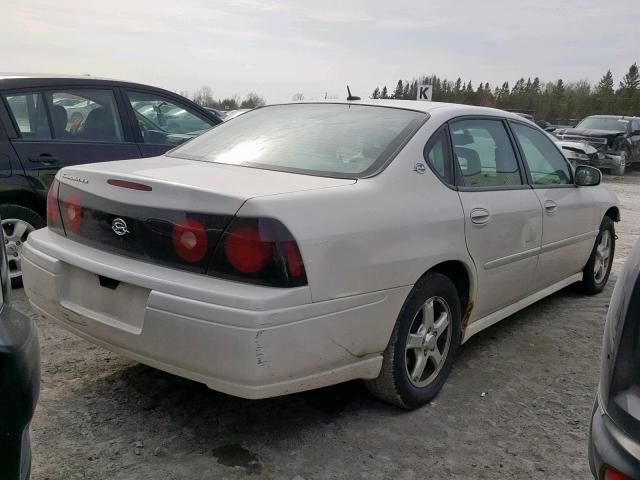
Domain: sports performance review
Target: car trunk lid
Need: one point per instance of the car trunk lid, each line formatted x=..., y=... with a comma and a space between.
x=144, y=208
x=189, y=184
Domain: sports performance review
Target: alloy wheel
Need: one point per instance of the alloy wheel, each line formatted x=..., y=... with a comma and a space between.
x=603, y=257
x=428, y=342
x=15, y=234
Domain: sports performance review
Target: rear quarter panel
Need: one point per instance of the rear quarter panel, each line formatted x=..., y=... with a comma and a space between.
x=379, y=233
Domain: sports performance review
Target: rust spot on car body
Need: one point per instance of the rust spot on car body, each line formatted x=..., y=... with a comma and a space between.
x=465, y=315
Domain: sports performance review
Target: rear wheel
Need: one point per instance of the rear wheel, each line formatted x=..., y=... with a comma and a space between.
x=596, y=272
x=423, y=345
x=17, y=223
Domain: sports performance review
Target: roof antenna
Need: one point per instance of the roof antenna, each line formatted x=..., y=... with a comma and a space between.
x=351, y=97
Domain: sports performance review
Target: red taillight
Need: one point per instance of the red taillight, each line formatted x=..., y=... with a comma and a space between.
x=72, y=213
x=613, y=474
x=190, y=240
x=259, y=250
x=52, y=203
x=294, y=259
x=244, y=249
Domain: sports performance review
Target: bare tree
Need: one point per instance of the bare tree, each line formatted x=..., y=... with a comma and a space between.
x=253, y=100
x=298, y=97
x=204, y=96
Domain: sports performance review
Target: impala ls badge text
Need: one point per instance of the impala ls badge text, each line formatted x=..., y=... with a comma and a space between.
x=119, y=227
x=75, y=179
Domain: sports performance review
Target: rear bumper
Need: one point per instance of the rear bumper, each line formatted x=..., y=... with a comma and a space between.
x=608, y=445
x=19, y=388
x=244, y=340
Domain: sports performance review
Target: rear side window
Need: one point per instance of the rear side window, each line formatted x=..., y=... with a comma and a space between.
x=338, y=140
x=546, y=164
x=484, y=154
x=29, y=115
x=437, y=154
x=84, y=115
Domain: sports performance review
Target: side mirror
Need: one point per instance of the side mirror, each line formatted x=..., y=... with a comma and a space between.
x=587, y=176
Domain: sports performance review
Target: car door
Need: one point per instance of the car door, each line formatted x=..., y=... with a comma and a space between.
x=161, y=122
x=503, y=216
x=570, y=223
x=67, y=126
x=635, y=140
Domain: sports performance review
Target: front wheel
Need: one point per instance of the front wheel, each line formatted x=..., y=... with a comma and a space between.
x=423, y=345
x=619, y=170
x=597, y=270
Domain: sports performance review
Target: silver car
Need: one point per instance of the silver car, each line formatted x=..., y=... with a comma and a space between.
x=307, y=244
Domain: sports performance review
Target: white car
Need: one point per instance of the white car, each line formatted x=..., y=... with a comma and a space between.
x=307, y=244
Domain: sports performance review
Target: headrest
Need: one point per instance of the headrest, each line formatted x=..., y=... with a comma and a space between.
x=460, y=139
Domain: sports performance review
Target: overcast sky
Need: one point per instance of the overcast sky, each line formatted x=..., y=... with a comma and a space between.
x=279, y=47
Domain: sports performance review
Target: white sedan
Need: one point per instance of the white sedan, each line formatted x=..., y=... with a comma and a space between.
x=307, y=244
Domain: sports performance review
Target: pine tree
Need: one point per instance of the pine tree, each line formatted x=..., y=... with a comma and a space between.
x=605, y=85
x=535, y=86
x=518, y=88
x=413, y=93
x=376, y=93
x=397, y=93
x=457, y=87
x=385, y=93
x=558, y=88
x=631, y=81
x=528, y=86
x=406, y=93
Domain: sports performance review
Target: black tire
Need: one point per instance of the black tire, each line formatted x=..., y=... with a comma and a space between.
x=590, y=283
x=394, y=385
x=12, y=211
x=624, y=161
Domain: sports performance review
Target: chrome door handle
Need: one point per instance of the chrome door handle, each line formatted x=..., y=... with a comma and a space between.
x=45, y=158
x=480, y=216
x=550, y=207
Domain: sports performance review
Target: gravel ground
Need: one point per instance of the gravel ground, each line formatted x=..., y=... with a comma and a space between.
x=517, y=405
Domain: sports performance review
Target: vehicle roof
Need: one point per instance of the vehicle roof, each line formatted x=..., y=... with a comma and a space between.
x=614, y=116
x=427, y=107
x=9, y=81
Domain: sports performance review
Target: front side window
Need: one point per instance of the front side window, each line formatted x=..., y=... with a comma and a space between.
x=546, y=164
x=163, y=122
x=338, y=140
x=30, y=116
x=484, y=154
x=84, y=115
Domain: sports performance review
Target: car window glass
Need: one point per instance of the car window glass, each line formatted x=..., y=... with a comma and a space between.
x=84, y=115
x=636, y=126
x=30, y=115
x=164, y=122
x=546, y=164
x=484, y=154
x=436, y=155
x=343, y=140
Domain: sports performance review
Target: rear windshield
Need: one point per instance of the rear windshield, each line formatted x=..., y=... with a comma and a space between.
x=335, y=140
